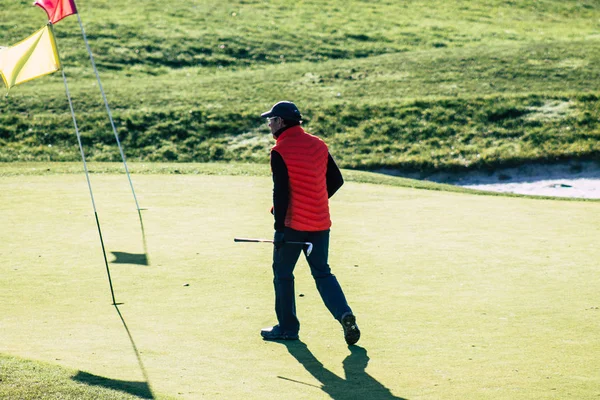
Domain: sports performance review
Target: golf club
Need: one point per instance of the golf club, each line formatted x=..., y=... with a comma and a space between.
x=308, y=250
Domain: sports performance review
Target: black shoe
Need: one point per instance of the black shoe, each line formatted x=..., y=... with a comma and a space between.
x=275, y=333
x=351, y=331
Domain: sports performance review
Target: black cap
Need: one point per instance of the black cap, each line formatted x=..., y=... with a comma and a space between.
x=284, y=109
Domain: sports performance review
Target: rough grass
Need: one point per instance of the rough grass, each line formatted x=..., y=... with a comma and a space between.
x=149, y=37
x=26, y=379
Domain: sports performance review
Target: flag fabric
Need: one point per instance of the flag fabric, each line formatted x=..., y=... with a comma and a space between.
x=57, y=9
x=31, y=58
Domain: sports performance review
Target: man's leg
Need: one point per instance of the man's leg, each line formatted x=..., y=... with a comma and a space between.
x=327, y=284
x=284, y=262
x=329, y=287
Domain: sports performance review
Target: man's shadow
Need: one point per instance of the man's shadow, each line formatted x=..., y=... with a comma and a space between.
x=358, y=383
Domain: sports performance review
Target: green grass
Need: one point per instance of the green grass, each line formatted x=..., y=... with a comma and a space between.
x=233, y=169
x=26, y=379
x=412, y=86
x=154, y=38
x=457, y=295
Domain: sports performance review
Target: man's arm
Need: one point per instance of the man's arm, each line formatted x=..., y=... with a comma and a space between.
x=281, y=190
x=334, y=177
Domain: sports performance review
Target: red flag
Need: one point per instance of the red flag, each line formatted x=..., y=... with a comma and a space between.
x=57, y=9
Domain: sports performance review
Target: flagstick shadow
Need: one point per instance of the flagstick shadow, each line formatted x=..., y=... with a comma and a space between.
x=122, y=257
x=135, y=349
x=358, y=383
x=141, y=389
x=144, y=237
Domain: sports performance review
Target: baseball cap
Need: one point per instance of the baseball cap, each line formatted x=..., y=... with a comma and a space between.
x=284, y=109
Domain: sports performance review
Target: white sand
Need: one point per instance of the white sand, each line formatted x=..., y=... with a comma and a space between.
x=575, y=179
x=581, y=187
x=579, y=179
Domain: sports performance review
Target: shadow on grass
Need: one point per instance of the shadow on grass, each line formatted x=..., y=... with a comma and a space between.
x=357, y=385
x=146, y=255
x=122, y=257
x=140, y=389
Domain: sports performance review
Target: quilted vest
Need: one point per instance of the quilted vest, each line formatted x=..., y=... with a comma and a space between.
x=305, y=157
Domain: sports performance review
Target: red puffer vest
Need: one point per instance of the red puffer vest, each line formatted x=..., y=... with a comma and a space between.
x=305, y=157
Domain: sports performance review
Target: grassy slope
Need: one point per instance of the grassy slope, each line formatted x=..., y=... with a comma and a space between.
x=457, y=295
x=246, y=32
x=401, y=86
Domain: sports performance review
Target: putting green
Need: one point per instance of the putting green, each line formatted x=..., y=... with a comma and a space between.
x=457, y=295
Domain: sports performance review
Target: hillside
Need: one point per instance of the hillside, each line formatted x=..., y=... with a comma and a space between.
x=413, y=86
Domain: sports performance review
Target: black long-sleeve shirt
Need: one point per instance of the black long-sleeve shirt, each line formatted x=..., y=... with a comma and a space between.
x=281, y=189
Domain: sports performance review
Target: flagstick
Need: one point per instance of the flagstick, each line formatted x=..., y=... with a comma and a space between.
x=112, y=123
x=87, y=175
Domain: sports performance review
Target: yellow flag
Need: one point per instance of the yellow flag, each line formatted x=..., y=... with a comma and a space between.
x=31, y=58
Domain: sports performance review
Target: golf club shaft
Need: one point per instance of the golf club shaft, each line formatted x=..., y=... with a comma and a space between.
x=309, y=244
x=268, y=241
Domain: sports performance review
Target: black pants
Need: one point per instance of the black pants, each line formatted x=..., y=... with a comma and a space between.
x=284, y=262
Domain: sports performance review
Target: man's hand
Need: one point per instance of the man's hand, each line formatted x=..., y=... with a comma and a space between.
x=278, y=239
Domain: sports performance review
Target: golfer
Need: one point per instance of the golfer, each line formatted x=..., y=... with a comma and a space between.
x=305, y=176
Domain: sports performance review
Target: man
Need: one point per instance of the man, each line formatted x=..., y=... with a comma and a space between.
x=305, y=176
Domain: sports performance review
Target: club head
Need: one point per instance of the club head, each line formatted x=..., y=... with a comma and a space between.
x=309, y=249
